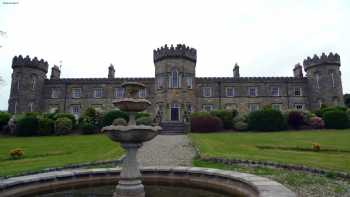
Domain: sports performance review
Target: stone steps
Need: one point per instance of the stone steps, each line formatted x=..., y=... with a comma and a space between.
x=172, y=128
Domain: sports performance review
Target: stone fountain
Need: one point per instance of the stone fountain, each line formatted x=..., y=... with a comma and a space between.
x=131, y=138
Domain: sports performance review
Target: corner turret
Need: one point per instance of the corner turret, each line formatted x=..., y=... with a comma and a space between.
x=324, y=80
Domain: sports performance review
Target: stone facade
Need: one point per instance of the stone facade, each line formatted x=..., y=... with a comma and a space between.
x=175, y=90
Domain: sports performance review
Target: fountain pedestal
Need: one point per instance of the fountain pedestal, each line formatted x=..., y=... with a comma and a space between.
x=130, y=184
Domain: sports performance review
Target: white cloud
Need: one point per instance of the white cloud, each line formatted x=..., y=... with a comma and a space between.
x=265, y=37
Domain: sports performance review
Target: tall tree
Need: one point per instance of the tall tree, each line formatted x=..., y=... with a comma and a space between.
x=347, y=100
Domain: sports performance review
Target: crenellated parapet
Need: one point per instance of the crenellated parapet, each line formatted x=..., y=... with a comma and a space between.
x=19, y=61
x=333, y=59
x=180, y=51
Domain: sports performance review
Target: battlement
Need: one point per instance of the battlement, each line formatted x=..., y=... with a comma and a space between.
x=323, y=59
x=19, y=61
x=180, y=51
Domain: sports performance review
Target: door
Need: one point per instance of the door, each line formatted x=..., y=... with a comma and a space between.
x=174, y=114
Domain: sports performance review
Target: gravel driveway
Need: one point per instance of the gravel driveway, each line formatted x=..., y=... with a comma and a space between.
x=167, y=150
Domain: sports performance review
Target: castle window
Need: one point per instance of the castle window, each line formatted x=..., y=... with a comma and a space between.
x=75, y=109
x=230, y=92
x=160, y=82
x=317, y=76
x=142, y=93
x=275, y=91
x=30, y=106
x=207, y=107
x=298, y=106
x=54, y=93
x=76, y=92
x=207, y=91
x=18, y=84
x=253, y=107
x=297, y=92
x=53, y=108
x=174, y=79
x=16, y=105
x=276, y=106
x=98, y=93
x=253, y=91
x=332, y=77
x=119, y=92
x=189, y=82
x=33, y=82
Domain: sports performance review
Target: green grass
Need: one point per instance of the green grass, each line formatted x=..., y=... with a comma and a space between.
x=243, y=146
x=302, y=184
x=55, y=151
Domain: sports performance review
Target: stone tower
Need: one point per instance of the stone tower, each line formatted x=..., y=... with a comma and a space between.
x=324, y=80
x=28, y=78
x=175, y=71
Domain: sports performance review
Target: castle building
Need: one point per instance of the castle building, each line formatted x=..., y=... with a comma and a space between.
x=175, y=90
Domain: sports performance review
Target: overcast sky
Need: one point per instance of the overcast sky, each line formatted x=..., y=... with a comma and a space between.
x=266, y=38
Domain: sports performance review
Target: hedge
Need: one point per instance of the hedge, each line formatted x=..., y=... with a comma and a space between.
x=108, y=118
x=206, y=123
x=226, y=117
x=266, y=120
x=27, y=125
x=336, y=120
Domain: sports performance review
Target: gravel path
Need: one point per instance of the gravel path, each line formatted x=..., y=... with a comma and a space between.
x=167, y=150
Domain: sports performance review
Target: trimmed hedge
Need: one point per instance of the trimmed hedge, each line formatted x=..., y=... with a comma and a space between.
x=27, y=125
x=63, y=126
x=296, y=119
x=266, y=120
x=108, y=118
x=225, y=116
x=336, y=119
x=66, y=115
x=46, y=126
x=205, y=123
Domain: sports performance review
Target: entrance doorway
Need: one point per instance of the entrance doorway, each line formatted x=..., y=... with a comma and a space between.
x=175, y=112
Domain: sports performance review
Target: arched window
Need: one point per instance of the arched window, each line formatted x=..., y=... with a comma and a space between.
x=317, y=77
x=33, y=77
x=174, y=79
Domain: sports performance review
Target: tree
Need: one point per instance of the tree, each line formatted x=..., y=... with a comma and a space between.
x=347, y=100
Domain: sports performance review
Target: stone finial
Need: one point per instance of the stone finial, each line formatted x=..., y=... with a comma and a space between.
x=236, y=71
x=55, y=72
x=111, y=72
x=298, y=71
x=180, y=51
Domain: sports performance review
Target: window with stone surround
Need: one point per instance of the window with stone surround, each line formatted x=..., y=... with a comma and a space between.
x=207, y=91
x=119, y=92
x=31, y=106
x=299, y=106
x=207, y=107
x=276, y=106
x=252, y=91
x=253, y=107
x=160, y=82
x=76, y=92
x=75, y=110
x=142, y=93
x=174, y=81
x=189, y=82
x=33, y=82
x=275, y=91
x=298, y=91
x=54, y=92
x=231, y=106
x=98, y=93
x=53, y=108
x=317, y=77
x=230, y=91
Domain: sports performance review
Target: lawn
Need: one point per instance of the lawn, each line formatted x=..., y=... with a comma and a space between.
x=55, y=151
x=334, y=154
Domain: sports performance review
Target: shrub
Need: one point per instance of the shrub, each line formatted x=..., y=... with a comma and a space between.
x=295, y=119
x=146, y=120
x=87, y=127
x=16, y=153
x=206, y=123
x=241, y=126
x=111, y=115
x=66, y=115
x=199, y=114
x=316, y=123
x=4, y=119
x=120, y=121
x=336, y=119
x=93, y=117
x=323, y=110
x=225, y=116
x=63, y=126
x=27, y=125
x=266, y=120
x=46, y=126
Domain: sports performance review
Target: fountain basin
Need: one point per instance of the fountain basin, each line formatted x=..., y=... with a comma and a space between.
x=226, y=182
x=131, y=104
x=131, y=133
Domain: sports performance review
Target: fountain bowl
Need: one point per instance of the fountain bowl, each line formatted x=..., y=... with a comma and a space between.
x=131, y=104
x=131, y=133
